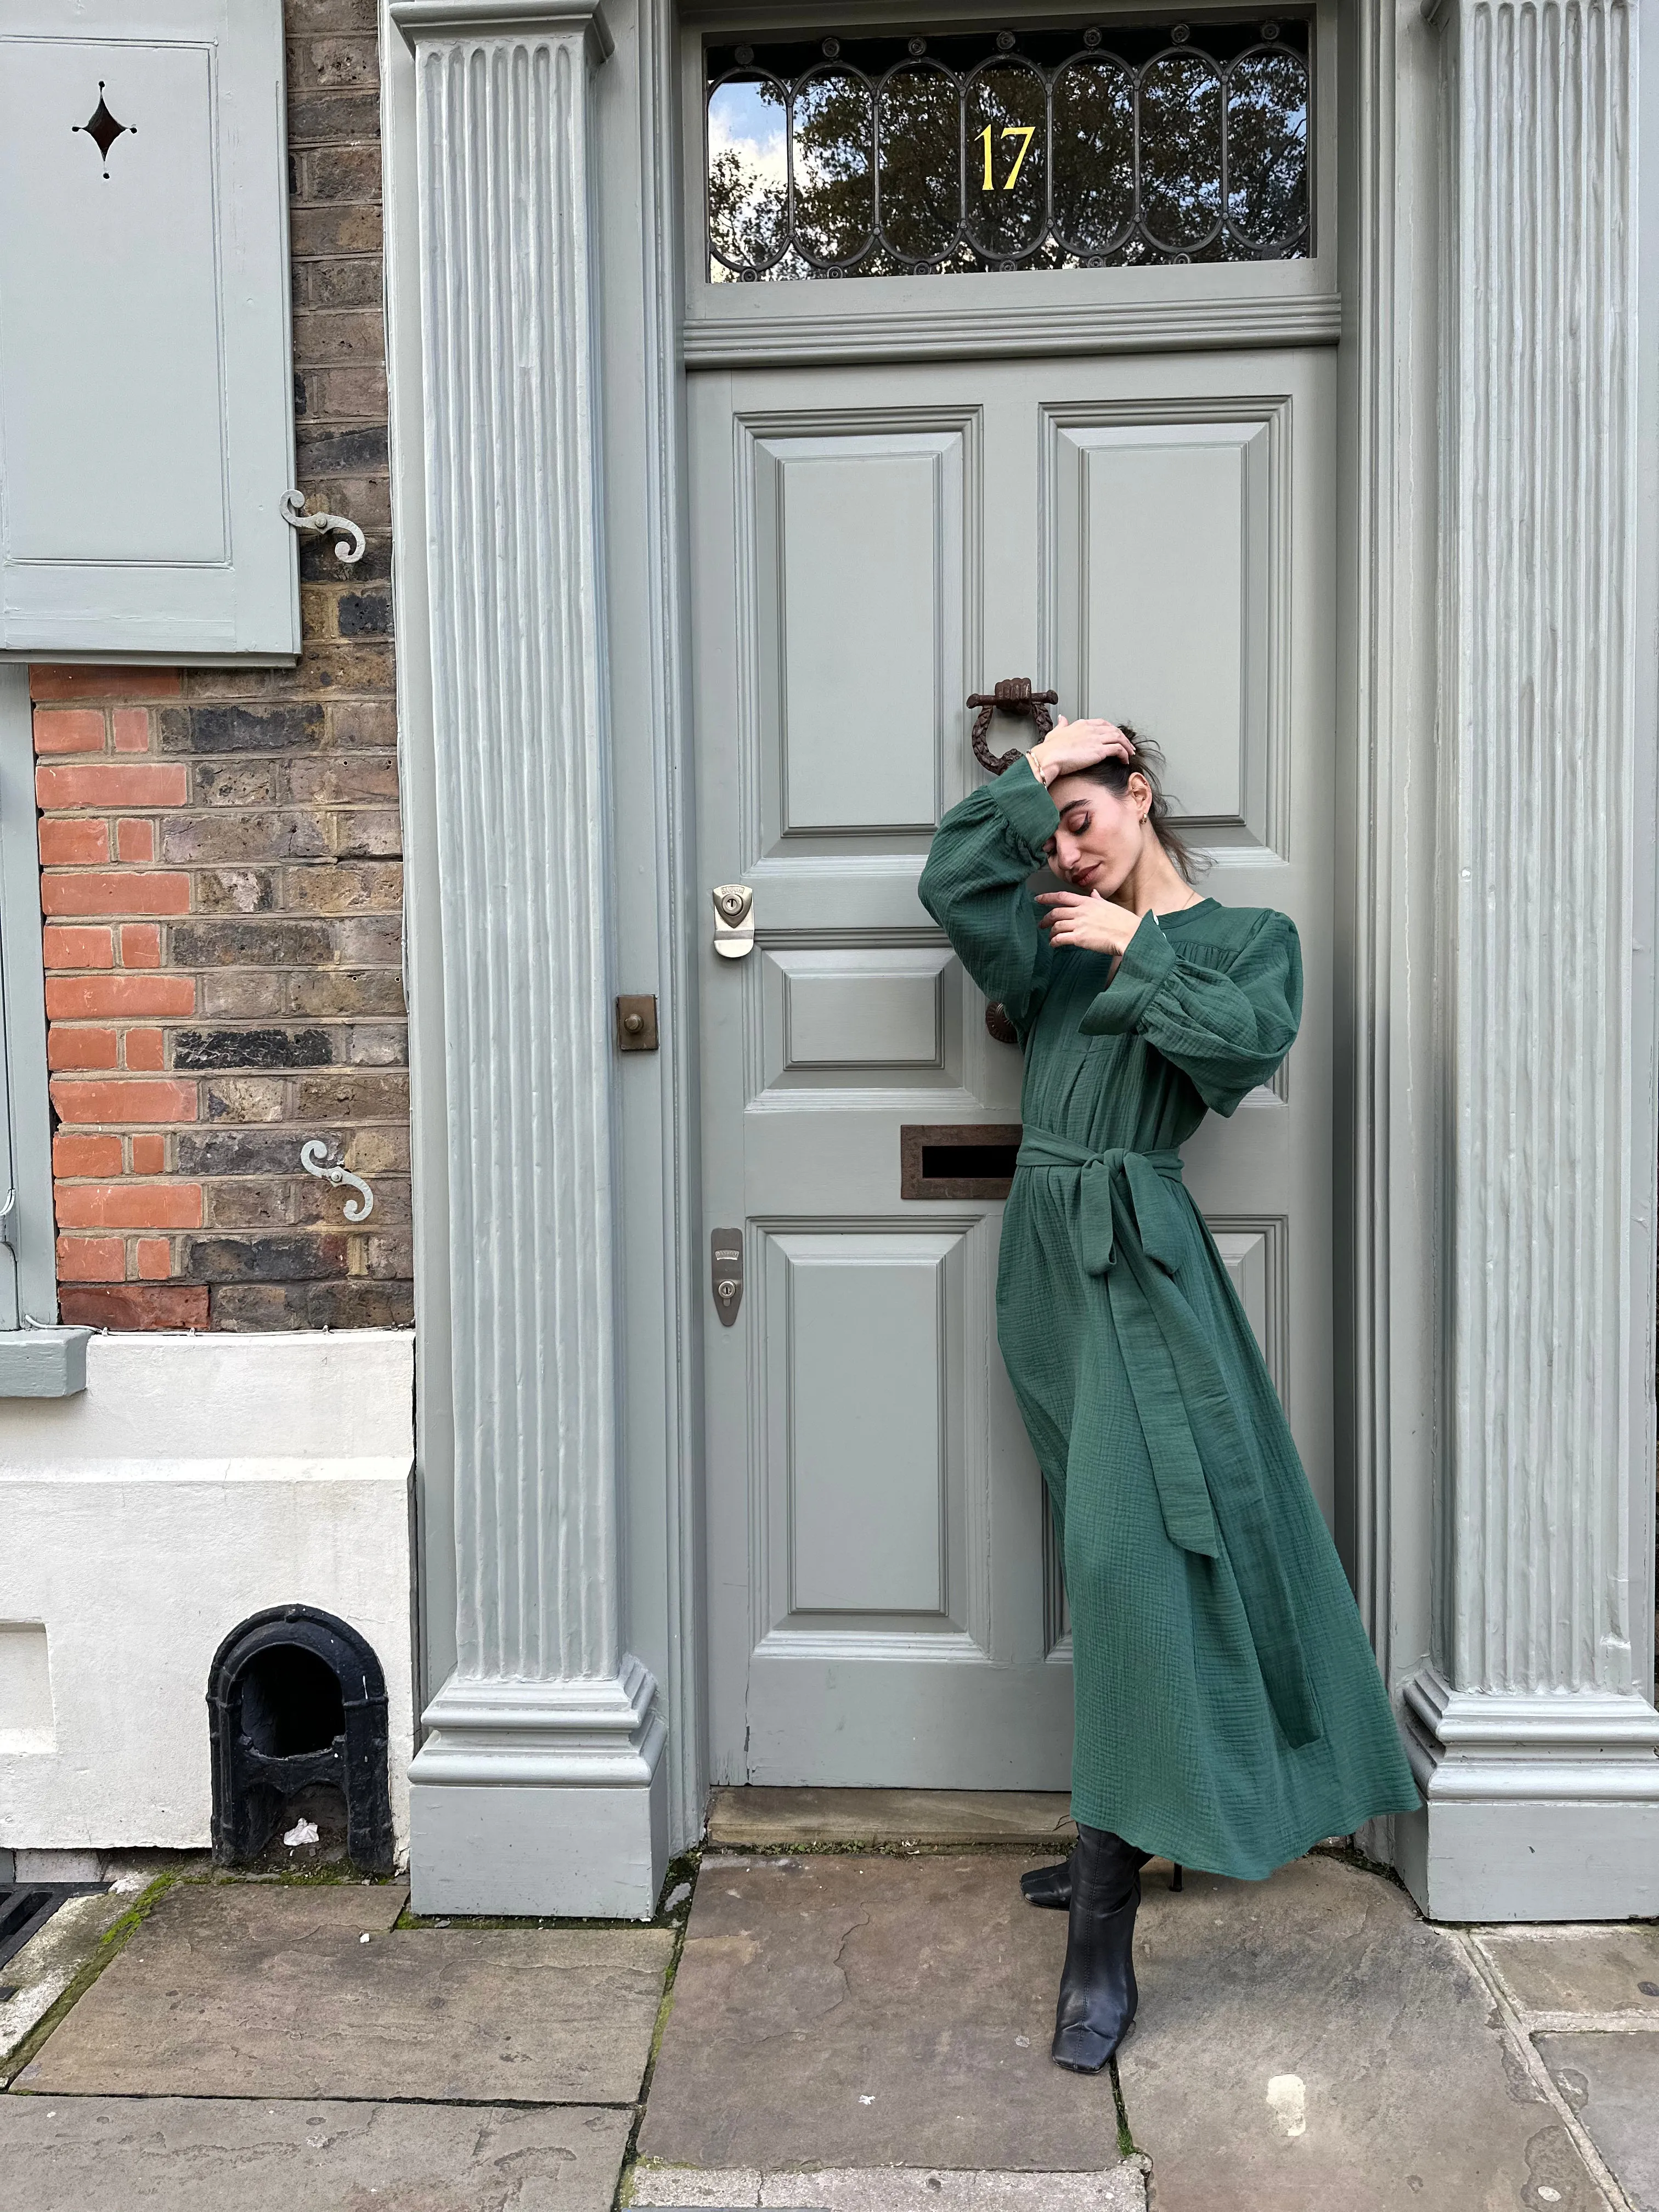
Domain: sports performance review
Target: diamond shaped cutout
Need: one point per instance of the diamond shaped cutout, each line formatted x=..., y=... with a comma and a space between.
x=102, y=128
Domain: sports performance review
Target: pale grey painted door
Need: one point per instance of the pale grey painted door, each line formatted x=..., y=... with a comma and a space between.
x=1152, y=537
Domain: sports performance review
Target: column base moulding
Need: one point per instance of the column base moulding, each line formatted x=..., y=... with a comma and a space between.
x=541, y=1799
x=1539, y=1807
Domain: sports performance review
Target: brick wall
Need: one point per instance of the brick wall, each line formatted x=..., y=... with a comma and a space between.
x=220, y=862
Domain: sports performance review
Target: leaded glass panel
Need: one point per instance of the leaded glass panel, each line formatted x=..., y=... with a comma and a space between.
x=1053, y=150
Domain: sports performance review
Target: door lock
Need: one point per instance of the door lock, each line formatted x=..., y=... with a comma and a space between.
x=726, y=1272
x=734, y=920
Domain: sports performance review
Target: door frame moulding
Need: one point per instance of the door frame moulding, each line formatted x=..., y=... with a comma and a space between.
x=1396, y=1091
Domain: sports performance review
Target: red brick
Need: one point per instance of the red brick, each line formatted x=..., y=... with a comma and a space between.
x=140, y=945
x=130, y=1205
x=132, y=726
x=114, y=783
x=135, y=843
x=76, y=843
x=99, y=1104
x=150, y=1154
x=128, y=1305
x=68, y=730
x=139, y=891
x=91, y=1259
x=50, y=681
x=79, y=1047
x=154, y=1258
x=143, y=1051
x=80, y=948
x=81, y=998
x=85, y=1156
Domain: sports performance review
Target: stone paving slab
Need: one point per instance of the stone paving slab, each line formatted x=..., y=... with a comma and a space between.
x=858, y=2012
x=257, y=1990
x=891, y=2189
x=187, y=2155
x=1612, y=2082
x=754, y=1819
x=1608, y=1969
x=1309, y=2043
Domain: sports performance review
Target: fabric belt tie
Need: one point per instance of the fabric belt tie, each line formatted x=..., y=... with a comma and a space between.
x=1132, y=1231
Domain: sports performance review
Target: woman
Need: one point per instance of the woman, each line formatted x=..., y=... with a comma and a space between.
x=1229, y=1711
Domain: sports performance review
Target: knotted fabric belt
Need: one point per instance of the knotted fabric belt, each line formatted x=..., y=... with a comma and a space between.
x=1132, y=1231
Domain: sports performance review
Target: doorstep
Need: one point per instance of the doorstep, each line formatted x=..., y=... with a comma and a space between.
x=759, y=1819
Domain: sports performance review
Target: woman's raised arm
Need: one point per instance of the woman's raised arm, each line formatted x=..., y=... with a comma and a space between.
x=974, y=886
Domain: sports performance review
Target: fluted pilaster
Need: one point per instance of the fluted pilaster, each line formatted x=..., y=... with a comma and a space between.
x=542, y=1691
x=1540, y=640
x=1539, y=712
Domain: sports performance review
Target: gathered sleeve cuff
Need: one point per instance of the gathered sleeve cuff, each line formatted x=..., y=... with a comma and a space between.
x=1146, y=965
x=975, y=886
x=1030, y=817
x=1226, y=1030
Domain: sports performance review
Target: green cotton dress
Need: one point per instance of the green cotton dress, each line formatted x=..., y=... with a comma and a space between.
x=1228, y=1710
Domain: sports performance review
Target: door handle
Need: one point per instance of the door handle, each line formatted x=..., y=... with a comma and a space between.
x=1013, y=695
x=734, y=920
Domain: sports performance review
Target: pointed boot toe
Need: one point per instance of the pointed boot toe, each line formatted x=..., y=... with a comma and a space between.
x=1084, y=2049
x=1049, y=1887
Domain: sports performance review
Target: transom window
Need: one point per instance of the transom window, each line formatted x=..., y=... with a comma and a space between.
x=1047, y=149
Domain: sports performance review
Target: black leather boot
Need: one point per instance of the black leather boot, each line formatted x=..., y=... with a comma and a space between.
x=1098, y=1992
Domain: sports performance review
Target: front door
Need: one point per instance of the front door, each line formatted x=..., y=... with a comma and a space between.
x=1150, y=533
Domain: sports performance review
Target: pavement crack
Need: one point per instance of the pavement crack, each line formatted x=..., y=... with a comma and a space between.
x=836, y=1962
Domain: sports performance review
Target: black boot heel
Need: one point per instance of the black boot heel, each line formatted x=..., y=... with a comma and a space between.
x=1098, y=1992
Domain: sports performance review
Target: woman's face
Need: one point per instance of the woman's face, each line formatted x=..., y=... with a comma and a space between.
x=1102, y=833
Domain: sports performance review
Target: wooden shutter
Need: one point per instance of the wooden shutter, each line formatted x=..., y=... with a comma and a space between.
x=146, y=400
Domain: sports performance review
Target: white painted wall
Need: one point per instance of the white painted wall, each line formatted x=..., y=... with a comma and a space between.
x=197, y=1480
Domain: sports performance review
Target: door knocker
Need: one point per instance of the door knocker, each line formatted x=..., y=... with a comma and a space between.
x=1014, y=695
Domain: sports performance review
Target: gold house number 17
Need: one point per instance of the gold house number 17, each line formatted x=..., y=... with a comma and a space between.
x=1024, y=132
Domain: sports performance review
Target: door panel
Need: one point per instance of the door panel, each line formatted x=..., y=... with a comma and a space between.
x=853, y=564
x=872, y=1475
x=1162, y=576
x=1151, y=535
x=863, y=1014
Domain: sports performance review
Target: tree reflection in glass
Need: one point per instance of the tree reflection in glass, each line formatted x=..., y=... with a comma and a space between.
x=832, y=146
x=873, y=156
x=1181, y=151
x=1094, y=156
x=748, y=173
x=1267, y=148
x=918, y=120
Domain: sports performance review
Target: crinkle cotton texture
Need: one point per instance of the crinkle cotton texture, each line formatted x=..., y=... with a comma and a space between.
x=1229, y=1712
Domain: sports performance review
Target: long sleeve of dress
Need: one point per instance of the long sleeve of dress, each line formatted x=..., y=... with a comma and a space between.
x=1227, y=1031
x=974, y=886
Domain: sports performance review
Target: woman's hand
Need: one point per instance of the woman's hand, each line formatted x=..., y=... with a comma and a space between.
x=1091, y=923
x=1071, y=745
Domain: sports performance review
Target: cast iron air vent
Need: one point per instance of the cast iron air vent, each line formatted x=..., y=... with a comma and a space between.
x=296, y=1701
